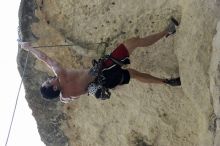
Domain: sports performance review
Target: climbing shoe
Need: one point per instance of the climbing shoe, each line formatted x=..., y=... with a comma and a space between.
x=173, y=82
x=171, y=28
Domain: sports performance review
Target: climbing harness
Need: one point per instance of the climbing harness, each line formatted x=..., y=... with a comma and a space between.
x=99, y=91
x=97, y=87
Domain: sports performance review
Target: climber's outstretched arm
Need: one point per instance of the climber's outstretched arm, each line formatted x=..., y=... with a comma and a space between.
x=54, y=65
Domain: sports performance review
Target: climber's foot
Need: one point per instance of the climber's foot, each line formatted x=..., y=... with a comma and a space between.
x=171, y=28
x=173, y=82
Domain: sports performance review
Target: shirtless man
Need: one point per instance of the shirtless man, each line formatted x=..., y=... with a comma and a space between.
x=69, y=84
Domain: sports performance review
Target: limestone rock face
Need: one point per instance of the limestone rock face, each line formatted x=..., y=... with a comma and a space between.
x=137, y=114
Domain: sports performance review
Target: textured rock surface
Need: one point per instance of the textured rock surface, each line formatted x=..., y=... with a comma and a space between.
x=215, y=81
x=137, y=114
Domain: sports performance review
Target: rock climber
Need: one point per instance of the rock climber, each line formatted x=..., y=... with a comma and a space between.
x=69, y=84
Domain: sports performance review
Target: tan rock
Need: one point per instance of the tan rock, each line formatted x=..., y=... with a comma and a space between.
x=137, y=114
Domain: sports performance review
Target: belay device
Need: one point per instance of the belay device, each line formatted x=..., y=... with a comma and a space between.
x=97, y=88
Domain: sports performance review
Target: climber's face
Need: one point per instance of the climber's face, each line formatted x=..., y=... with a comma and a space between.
x=50, y=82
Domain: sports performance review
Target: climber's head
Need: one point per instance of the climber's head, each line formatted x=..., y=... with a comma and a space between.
x=50, y=89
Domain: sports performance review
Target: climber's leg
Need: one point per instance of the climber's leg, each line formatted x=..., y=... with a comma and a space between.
x=135, y=42
x=143, y=77
x=146, y=78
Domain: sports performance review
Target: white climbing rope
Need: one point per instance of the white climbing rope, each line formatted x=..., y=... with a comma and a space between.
x=12, y=119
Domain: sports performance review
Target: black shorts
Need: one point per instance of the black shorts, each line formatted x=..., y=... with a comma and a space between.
x=113, y=72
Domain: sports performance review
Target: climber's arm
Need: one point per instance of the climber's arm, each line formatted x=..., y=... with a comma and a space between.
x=54, y=65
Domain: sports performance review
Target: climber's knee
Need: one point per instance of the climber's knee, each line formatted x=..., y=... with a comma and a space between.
x=131, y=44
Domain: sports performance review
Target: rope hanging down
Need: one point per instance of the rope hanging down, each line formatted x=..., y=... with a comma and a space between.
x=12, y=119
